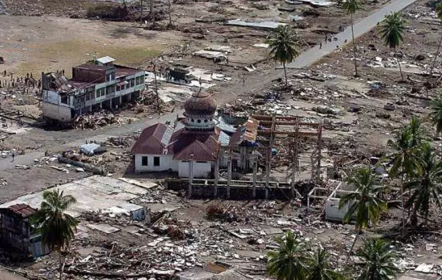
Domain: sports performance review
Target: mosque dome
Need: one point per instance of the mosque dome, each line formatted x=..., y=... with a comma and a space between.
x=200, y=104
x=199, y=110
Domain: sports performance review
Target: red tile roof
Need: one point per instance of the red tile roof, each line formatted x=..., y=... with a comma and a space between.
x=202, y=146
x=23, y=210
x=159, y=140
x=153, y=140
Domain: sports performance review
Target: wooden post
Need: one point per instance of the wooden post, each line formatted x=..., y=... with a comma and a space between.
x=217, y=163
x=295, y=158
x=229, y=174
x=255, y=170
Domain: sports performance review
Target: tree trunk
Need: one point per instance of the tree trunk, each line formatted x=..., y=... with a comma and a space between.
x=354, y=46
x=400, y=67
x=403, y=204
x=285, y=74
x=170, y=12
x=141, y=12
x=353, y=245
x=152, y=12
x=434, y=61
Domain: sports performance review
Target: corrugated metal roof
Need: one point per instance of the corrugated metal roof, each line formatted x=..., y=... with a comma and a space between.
x=105, y=59
x=224, y=126
x=224, y=139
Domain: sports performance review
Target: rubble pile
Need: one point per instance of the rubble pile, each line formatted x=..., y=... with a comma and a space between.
x=94, y=120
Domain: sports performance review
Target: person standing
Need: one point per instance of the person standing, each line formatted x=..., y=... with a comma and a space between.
x=13, y=154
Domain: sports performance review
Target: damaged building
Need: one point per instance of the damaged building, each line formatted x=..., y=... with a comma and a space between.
x=198, y=145
x=95, y=85
x=191, y=145
x=17, y=234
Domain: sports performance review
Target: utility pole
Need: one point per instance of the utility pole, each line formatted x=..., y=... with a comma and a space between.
x=229, y=173
x=141, y=12
x=152, y=12
x=156, y=88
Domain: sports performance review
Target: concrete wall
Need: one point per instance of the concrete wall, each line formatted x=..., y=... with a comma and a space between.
x=200, y=169
x=236, y=193
x=166, y=163
x=332, y=211
x=56, y=112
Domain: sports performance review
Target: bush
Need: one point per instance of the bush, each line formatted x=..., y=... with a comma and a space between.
x=107, y=12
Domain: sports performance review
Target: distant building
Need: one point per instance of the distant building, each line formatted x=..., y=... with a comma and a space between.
x=193, y=146
x=17, y=235
x=94, y=85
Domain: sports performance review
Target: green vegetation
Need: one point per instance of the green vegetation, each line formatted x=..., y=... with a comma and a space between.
x=283, y=44
x=392, y=32
x=57, y=228
x=351, y=7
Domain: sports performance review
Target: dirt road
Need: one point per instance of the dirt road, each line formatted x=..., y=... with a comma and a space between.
x=360, y=28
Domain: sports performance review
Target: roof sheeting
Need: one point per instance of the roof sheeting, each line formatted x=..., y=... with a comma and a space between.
x=105, y=59
x=246, y=133
x=153, y=140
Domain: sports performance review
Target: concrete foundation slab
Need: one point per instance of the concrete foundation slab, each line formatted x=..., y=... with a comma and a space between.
x=93, y=194
x=105, y=228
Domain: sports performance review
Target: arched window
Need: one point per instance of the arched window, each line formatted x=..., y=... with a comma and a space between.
x=206, y=121
x=198, y=121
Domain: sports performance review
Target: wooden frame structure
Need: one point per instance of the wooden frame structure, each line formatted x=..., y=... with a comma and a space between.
x=300, y=129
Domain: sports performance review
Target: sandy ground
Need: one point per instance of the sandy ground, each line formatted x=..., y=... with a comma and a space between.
x=5, y=275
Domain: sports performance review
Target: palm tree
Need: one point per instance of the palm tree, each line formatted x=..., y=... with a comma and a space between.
x=378, y=259
x=392, y=30
x=319, y=267
x=416, y=132
x=439, y=16
x=436, y=113
x=57, y=228
x=289, y=262
x=283, y=44
x=363, y=203
x=351, y=6
x=424, y=187
x=404, y=159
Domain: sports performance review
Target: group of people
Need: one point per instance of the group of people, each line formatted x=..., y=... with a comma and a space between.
x=330, y=38
x=28, y=81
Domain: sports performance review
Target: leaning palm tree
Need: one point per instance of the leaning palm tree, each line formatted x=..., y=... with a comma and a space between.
x=424, y=188
x=283, y=43
x=436, y=112
x=289, y=262
x=363, y=203
x=319, y=267
x=392, y=30
x=350, y=7
x=57, y=228
x=439, y=16
x=378, y=259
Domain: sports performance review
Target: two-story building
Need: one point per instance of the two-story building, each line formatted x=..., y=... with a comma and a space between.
x=94, y=85
x=16, y=233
